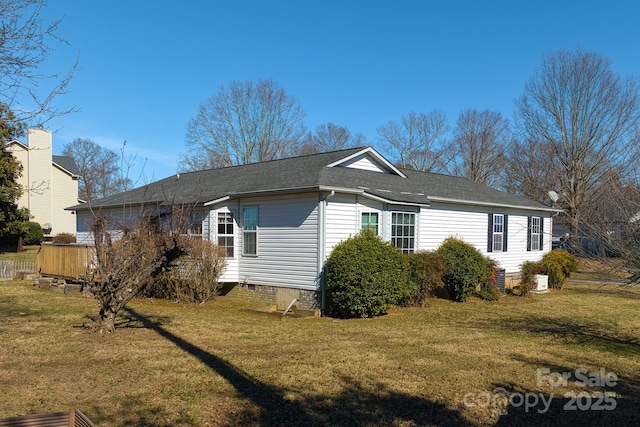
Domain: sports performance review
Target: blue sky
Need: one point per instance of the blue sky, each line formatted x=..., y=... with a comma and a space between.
x=146, y=66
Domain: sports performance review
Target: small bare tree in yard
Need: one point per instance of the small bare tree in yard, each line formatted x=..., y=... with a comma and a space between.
x=125, y=267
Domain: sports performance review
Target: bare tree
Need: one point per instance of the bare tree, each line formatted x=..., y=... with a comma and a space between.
x=101, y=174
x=330, y=137
x=584, y=115
x=417, y=141
x=244, y=122
x=479, y=142
x=152, y=250
x=125, y=267
x=528, y=172
x=26, y=41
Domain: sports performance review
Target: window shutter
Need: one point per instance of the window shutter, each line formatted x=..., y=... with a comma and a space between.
x=506, y=233
x=528, y=233
x=490, y=236
x=541, y=233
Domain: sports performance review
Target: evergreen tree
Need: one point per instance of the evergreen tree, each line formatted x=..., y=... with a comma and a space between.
x=12, y=218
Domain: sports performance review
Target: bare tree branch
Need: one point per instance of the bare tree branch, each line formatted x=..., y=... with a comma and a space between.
x=244, y=122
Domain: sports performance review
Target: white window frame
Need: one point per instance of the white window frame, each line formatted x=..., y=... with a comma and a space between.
x=406, y=240
x=535, y=233
x=369, y=224
x=250, y=232
x=225, y=237
x=498, y=233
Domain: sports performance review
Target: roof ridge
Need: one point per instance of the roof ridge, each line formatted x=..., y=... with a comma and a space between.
x=355, y=149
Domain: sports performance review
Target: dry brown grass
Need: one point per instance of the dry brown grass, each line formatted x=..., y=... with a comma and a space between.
x=229, y=363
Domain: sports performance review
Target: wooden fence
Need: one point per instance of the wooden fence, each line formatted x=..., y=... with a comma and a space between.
x=72, y=262
x=71, y=418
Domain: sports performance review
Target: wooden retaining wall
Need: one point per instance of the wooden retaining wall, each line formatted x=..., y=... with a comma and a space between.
x=72, y=262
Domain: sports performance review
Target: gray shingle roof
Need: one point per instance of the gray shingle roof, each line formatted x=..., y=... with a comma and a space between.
x=67, y=163
x=309, y=173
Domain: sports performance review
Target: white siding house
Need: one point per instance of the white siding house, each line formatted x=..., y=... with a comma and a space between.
x=280, y=220
x=50, y=183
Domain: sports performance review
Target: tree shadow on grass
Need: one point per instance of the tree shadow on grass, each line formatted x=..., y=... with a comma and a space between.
x=355, y=406
x=588, y=334
x=594, y=403
x=624, y=291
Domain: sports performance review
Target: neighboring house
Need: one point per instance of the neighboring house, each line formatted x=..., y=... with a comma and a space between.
x=279, y=220
x=50, y=183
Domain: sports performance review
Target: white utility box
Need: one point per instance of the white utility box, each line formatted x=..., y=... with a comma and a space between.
x=542, y=283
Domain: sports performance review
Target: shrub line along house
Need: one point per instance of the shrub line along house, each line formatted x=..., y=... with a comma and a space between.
x=279, y=220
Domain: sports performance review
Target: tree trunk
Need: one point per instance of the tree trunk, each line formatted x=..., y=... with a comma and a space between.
x=106, y=322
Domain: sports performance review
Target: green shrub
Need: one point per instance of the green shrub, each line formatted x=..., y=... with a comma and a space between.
x=365, y=276
x=66, y=238
x=528, y=271
x=558, y=265
x=426, y=273
x=488, y=289
x=33, y=234
x=466, y=268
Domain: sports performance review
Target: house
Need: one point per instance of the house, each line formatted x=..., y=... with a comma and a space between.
x=50, y=183
x=279, y=220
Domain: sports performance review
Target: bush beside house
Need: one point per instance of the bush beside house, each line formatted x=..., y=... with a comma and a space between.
x=365, y=276
x=557, y=264
x=466, y=268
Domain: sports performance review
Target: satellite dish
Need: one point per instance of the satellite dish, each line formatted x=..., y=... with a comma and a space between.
x=553, y=196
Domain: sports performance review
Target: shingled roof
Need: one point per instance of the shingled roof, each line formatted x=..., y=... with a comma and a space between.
x=67, y=163
x=312, y=173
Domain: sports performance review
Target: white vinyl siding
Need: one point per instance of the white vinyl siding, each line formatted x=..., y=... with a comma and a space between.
x=440, y=221
x=364, y=162
x=287, y=243
x=344, y=218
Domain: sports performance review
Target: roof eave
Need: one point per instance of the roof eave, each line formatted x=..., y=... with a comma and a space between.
x=491, y=204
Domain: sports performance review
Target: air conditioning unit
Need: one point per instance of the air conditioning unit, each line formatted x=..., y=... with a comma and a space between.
x=542, y=284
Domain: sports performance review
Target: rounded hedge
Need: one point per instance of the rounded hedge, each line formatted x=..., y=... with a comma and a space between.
x=466, y=268
x=365, y=276
x=33, y=234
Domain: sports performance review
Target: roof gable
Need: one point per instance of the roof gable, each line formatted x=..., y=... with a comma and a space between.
x=367, y=159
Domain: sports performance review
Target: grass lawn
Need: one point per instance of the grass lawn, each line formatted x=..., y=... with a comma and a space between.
x=228, y=363
x=27, y=255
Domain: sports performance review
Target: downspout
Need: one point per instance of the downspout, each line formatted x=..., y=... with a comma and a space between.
x=322, y=236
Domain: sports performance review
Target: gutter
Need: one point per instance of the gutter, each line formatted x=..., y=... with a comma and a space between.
x=489, y=204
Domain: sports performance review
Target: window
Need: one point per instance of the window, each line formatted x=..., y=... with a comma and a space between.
x=250, y=231
x=225, y=232
x=534, y=235
x=497, y=239
x=194, y=228
x=403, y=231
x=370, y=220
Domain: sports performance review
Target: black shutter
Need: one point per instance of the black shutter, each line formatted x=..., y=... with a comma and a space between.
x=541, y=233
x=490, y=235
x=529, y=233
x=505, y=233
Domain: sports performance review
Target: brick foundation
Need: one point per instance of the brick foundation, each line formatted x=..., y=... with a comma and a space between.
x=307, y=300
